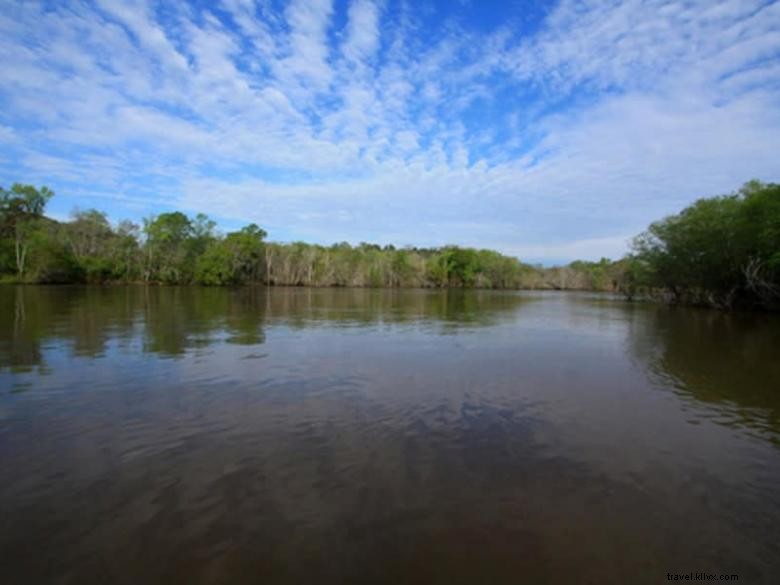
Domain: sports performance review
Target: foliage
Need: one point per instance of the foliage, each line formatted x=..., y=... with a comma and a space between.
x=723, y=251
x=170, y=247
x=235, y=259
x=173, y=248
x=21, y=212
x=101, y=253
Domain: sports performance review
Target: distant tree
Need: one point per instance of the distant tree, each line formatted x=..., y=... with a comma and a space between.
x=720, y=251
x=21, y=209
x=233, y=260
x=101, y=252
x=168, y=255
x=465, y=266
x=440, y=267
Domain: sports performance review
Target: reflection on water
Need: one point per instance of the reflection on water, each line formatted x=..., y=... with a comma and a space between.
x=728, y=361
x=171, y=320
x=340, y=435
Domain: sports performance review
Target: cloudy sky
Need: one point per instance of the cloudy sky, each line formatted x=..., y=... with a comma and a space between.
x=548, y=130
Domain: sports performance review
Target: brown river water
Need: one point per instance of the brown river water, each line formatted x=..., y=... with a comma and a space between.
x=189, y=435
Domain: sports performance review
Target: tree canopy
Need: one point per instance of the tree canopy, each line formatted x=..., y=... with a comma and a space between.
x=722, y=251
x=173, y=248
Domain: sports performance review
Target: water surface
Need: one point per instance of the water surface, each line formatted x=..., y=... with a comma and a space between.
x=183, y=435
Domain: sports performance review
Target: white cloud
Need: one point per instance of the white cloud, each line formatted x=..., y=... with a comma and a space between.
x=308, y=49
x=371, y=125
x=136, y=16
x=362, y=31
x=7, y=134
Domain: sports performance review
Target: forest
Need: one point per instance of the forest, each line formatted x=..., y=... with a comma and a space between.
x=172, y=248
x=722, y=252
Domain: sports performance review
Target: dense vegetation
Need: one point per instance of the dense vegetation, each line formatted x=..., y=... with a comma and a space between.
x=722, y=251
x=172, y=248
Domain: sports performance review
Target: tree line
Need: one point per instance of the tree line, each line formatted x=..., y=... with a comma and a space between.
x=172, y=248
x=721, y=251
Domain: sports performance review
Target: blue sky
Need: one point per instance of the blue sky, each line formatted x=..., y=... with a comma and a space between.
x=547, y=130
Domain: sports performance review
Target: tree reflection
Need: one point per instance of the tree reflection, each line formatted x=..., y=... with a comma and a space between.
x=20, y=327
x=451, y=308
x=726, y=361
x=169, y=321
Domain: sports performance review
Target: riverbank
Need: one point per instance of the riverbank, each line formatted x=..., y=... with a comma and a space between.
x=722, y=252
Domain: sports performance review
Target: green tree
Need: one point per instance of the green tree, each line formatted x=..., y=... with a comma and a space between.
x=168, y=250
x=717, y=251
x=21, y=209
x=440, y=267
x=233, y=260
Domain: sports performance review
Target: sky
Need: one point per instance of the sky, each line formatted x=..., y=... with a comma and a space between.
x=546, y=130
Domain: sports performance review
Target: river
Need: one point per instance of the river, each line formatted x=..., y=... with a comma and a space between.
x=192, y=435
